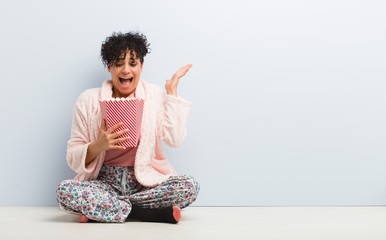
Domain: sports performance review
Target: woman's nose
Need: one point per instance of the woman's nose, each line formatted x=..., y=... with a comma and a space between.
x=126, y=68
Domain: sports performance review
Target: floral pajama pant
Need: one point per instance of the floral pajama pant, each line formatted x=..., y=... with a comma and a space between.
x=111, y=196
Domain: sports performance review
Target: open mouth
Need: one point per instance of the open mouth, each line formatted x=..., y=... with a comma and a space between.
x=126, y=80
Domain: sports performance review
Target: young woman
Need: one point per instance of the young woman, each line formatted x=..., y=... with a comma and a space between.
x=115, y=183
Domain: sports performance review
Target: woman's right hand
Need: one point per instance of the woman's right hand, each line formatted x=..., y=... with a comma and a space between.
x=107, y=140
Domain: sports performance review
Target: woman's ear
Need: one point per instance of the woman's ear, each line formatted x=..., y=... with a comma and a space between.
x=108, y=68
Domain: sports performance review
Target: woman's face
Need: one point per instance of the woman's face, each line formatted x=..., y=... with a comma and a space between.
x=125, y=75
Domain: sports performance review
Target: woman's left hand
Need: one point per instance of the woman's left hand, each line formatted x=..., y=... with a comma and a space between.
x=172, y=84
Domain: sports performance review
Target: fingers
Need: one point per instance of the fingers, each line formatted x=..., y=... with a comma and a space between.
x=115, y=143
x=116, y=134
x=186, y=68
x=114, y=127
x=182, y=71
x=112, y=135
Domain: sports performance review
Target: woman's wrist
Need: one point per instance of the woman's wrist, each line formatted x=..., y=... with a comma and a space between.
x=173, y=93
x=92, y=152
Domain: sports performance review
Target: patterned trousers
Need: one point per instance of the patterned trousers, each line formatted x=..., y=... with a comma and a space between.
x=110, y=197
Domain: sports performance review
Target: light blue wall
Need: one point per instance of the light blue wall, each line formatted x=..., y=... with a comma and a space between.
x=289, y=96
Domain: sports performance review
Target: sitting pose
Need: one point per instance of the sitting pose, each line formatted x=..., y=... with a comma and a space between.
x=116, y=183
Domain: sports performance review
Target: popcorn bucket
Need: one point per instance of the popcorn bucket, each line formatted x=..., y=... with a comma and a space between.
x=127, y=111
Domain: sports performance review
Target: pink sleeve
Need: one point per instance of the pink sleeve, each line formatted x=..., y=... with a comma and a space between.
x=80, y=139
x=172, y=126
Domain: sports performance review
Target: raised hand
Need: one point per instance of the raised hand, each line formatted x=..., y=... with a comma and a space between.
x=172, y=84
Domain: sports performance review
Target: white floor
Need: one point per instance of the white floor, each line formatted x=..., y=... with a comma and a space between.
x=237, y=223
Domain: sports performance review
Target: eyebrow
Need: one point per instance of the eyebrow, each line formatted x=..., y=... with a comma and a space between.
x=134, y=59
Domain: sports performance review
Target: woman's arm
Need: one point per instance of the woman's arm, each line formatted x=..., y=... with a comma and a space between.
x=175, y=111
x=82, y=151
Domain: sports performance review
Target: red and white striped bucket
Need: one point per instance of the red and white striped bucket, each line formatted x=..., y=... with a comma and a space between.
x=127, y=111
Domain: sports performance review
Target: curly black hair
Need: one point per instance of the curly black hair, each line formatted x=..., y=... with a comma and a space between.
x=115, y=47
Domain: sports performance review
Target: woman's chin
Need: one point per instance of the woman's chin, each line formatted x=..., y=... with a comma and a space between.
x=119, y=92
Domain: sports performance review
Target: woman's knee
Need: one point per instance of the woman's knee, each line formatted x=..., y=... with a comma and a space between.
x=192, y=186
x=65, y=189
x=190, y=191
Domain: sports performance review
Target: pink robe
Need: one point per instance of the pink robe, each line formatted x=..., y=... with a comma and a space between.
x=164, y=118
